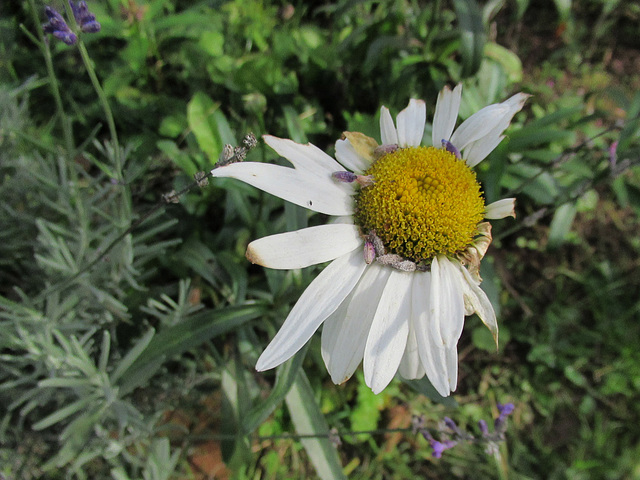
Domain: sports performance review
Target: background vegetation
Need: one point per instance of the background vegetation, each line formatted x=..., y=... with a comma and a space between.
x=129, y=353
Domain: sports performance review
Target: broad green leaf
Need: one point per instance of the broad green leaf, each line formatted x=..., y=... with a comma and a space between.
x=308, y=419
x=424, y=386
x=132, y=355
x=533, y=137
x=202, y=122
x=188, y=334
x=561, y=224
x=472, y=35
x=286, y=374
x=564, y=9
x=509, y=61
x=294, y=126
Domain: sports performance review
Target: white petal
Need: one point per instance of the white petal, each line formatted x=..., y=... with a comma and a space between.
x=345, y=332
x=480, y=149
x=389, y=330
x=318, y=193
x=321, y=298
x=478, y=301
x=342, y=219
x=447, y=303
x=427, y=331
x=410, y=365
x=501, y=209
x=452, y=367
x=478, y=125
x=308, y=246
x=308, y=158
x=388, y=133
x=410, y=122
x=444, y=120
x=349, y=158
x=516, y=102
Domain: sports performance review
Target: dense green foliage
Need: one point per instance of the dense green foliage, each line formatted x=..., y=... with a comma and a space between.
x=130, y=327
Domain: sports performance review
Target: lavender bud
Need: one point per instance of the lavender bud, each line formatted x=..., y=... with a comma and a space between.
x=439, y=447
x=451, y=425
x=483, y=427
x=506, y=409
x=500, y=424
x=58, y=27
x=84, y=18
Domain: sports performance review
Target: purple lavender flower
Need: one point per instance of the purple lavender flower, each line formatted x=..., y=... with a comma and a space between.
x=451, y=434
x=439, y=447
x=58, y=27
x=484, y=428
x=500, y=423
x=84, y=18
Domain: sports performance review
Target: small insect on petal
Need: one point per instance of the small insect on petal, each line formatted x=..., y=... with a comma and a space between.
x=369, y=252
x=365, y=180
x=345, y=177
x=450, y=147
x=383, y=150
x=376, y=241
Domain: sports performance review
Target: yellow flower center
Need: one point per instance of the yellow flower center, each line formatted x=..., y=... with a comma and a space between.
x=424, y=201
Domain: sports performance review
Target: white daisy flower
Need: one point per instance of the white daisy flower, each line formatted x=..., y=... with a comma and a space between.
x=405, y=246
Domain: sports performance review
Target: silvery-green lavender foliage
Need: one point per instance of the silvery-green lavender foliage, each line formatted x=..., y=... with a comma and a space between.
x=60, y=364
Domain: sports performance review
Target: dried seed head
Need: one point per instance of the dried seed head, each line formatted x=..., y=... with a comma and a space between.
x=250, y=141
x=171, y=197
x=202, y=179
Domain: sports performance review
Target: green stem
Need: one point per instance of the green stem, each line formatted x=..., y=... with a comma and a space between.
x=105, y=107
x=55, y=89
x=125, y=214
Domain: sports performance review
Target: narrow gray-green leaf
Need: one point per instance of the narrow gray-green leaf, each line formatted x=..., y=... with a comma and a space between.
x=308, y=419
x=190, y=333
x=63, y=413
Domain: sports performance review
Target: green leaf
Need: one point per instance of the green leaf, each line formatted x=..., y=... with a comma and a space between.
x=63, y=413
x=424, y=386
x=509, y=61
x=202, y=122
x=132, y=355
x=561, y=224
x=308, y=419
x=188, y=334
x=285, y=377
x=472, y=35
